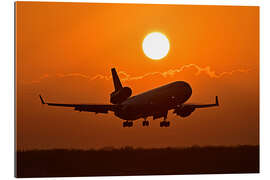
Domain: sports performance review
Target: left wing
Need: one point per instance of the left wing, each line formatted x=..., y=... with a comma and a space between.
x=203, y=105
x=97, y=108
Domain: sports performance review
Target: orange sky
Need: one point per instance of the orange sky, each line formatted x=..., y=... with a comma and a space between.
x=65, y=51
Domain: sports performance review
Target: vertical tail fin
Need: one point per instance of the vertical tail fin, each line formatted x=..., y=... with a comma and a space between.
x=116, y=80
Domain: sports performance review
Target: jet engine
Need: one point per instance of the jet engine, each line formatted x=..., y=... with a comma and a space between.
x=184, y=111
x=121, y=95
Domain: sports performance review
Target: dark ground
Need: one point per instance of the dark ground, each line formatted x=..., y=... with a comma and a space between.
x=129, y=161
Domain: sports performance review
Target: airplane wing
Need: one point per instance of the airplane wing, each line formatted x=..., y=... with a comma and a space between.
x=97, y=108
x=203, y=105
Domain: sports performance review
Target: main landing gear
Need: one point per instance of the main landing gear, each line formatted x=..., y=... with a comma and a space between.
x=165, y=123
x=145, y=123
x=127, y=124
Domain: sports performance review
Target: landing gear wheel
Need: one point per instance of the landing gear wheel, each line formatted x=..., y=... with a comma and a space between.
x=130, y=124
x=127, y=124
x=164, y=123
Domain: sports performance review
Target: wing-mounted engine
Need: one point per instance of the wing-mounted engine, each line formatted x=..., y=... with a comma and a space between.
x=184, y=111
x=121, y=95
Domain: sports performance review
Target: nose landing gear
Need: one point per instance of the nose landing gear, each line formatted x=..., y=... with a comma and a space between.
x=127, y=124
x=145, y=123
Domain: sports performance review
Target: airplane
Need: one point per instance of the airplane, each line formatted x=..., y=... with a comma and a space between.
x=153, y=103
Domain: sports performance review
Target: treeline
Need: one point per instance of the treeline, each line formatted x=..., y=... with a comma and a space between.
x=110, y=161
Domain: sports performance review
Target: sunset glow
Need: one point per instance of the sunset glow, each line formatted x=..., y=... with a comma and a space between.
x=65, y=52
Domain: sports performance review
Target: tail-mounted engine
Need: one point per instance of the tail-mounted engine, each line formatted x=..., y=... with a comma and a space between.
x=184, y=111
x=121, y=95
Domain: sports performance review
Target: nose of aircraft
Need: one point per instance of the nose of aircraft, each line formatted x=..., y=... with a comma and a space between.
x=188, y=89
x=184, y=85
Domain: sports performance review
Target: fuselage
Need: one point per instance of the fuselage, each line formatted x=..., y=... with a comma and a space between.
x=158, y=100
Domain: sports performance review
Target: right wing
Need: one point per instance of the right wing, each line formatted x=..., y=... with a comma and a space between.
x=97, y=108
x=203, y=105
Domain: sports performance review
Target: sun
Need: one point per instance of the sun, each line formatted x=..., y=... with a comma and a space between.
x=156, y=45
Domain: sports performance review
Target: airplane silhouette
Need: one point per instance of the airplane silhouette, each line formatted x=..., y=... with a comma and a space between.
x=156, y=102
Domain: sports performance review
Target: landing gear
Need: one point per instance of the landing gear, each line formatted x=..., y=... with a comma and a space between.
x=145, y=123
x=164, y=123
x=127, y=124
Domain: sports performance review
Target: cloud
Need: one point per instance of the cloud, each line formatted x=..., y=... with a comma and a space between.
x=73, y=75
x=58, y=75
x=171, y=72
x=44, y=76
x=126, y=77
